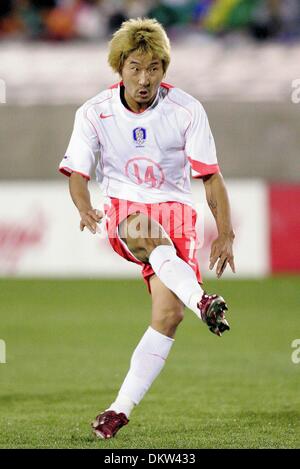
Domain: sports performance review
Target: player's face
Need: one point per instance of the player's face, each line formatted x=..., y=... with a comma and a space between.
x=142, y=75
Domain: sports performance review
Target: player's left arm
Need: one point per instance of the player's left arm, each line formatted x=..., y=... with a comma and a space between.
x=218, y=202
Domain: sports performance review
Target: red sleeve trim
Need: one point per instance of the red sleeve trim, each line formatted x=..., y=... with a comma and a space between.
x=166, y=85
x=120, y=83
x=203, y=169
x=116, y=85
x=68, y=171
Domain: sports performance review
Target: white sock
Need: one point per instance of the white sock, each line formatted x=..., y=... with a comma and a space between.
x=122, y=404
x=177, y=275
x=146, y=363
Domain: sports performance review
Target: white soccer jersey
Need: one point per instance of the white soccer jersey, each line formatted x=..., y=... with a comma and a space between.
x=142, y=157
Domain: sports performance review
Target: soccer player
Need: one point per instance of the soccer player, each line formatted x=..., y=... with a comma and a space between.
x=143, y=138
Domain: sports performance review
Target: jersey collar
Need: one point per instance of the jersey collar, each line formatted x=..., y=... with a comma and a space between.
x=146, y=113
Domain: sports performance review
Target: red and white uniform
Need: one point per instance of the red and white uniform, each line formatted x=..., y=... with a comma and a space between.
x=142, y=157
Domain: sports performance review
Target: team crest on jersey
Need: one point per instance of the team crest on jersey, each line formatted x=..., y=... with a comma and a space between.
x=139, y=136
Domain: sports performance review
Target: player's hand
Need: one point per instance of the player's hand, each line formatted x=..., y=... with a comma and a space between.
x=89, y=219
x=221, y=251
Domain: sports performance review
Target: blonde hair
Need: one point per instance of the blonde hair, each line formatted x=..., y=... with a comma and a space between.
x=142, y=35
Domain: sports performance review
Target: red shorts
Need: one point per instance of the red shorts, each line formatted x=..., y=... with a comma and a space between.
x=178, y=221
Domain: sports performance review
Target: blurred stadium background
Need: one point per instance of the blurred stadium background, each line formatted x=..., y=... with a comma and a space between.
x=241, y=59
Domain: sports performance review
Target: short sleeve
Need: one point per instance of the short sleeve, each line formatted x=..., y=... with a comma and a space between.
x=200, y=146
x=82, y=152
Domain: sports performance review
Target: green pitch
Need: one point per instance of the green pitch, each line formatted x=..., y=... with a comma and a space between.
x=68, y=348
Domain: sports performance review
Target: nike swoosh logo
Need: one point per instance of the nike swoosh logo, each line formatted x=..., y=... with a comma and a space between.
x=105, y=116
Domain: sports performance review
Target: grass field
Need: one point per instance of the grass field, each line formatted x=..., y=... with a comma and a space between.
x=68, y=349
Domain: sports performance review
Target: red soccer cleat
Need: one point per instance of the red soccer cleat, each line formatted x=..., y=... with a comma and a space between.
x=108, y=423
x=212, y=309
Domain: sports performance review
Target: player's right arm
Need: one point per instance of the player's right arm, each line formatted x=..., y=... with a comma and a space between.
x=79, y=165
x=89, y=216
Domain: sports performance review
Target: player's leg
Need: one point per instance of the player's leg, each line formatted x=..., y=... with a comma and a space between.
x=152, y=351
x=168, y=289
x=167, y=309
x=147, y=241
x=147, y=361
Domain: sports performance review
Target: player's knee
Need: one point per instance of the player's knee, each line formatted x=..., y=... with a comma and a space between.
x=142, y=235
x=140, y=252
x=152, y=243
x=177, y=316
x=168, y=320
x=141, y=248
